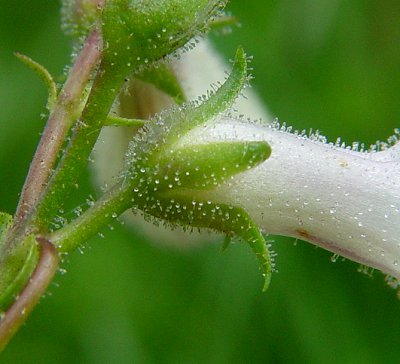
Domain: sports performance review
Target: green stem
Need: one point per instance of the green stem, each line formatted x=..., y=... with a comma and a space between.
x=85, y=133
x=113, y=203
x=58, y=125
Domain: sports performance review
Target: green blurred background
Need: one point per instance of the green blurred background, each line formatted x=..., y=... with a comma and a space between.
x=326, y=64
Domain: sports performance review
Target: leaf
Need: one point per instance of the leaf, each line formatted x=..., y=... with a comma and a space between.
x=45, y=75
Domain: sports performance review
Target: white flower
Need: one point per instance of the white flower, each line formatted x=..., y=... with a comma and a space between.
x=196, y=71
x=342, y=200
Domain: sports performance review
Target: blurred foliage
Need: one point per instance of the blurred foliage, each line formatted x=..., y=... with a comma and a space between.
x=328, y=64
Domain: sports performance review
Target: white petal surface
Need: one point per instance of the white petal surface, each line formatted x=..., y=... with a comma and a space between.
x=344, y=201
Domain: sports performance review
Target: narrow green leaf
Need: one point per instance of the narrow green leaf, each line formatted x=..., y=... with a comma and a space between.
x=45, y=75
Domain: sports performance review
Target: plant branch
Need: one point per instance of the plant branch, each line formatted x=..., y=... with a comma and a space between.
x=16, y=315
x=104, y=90
x=59, y=122
x=113, y=203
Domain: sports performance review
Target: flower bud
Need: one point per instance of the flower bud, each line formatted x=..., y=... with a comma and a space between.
x=140, y=32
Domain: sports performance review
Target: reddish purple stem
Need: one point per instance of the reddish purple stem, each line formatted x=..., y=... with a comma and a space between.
x=16, y=315
x=58, y=125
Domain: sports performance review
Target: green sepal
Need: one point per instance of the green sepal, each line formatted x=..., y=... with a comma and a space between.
x=226, y=94
x=162, y=77
x=17, y=264
x=208, y=165
x=45, y=75
x=168, y=175
x=218, y=102
x=230, y=220
x=161, y=134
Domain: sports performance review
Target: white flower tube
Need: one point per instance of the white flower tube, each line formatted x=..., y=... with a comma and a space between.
x=345, y=201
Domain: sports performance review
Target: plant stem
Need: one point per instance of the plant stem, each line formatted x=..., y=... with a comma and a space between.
x=59, y=122
x=16, y=315
x=104, y=90
x=113, y=203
